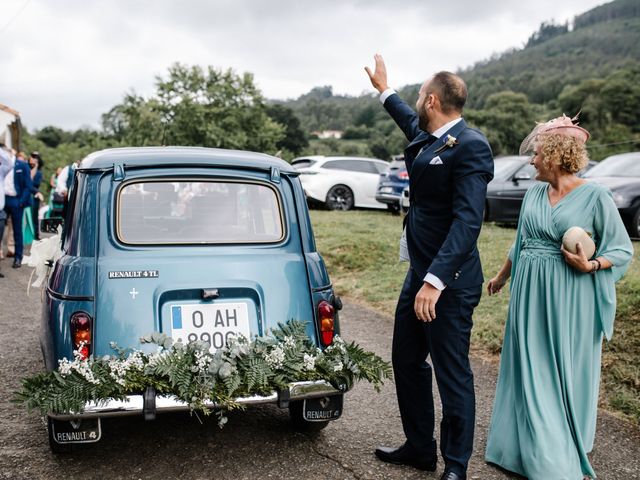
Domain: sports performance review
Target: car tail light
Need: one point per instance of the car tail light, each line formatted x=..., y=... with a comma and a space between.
x=404, y=175
x=81, y=333
x=326, y=320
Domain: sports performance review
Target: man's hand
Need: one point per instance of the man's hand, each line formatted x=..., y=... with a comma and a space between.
x=379, y=77
x=425, y=303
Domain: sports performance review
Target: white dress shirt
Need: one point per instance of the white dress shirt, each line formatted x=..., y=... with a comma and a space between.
x=430, y=278
x=7, y=187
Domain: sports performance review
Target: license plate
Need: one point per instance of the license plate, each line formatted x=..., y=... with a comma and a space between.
x=76, y=431
x=213, y=323
x=386, y=190
x=322, y=409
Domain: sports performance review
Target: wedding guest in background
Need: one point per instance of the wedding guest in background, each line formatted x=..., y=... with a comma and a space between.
x=6, y=165
x=64, y=183
x=53, y=180
x=17, y=189
x=561, y=305
x=36, y=164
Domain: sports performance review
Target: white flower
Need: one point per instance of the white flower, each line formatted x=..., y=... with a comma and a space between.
x=451, y=141
x=309, y=362
x=118, y=368
x=275, y=357
x=338, y=367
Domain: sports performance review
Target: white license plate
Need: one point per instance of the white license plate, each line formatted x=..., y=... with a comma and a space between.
x=386, y=190
x=213, y=323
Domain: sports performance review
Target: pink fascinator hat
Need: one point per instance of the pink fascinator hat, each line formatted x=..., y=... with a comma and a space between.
x=562, y=125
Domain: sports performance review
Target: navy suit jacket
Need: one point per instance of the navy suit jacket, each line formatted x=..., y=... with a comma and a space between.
x=22, y=182
x=447, y=198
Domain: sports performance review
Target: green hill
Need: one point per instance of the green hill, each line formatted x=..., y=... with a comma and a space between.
x=598, y=45
x=592, y=66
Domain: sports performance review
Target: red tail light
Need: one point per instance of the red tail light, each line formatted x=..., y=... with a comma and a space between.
x=326, y=317
x=81, y=333
x=403, y=175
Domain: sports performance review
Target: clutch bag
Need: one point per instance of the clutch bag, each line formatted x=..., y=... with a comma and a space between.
x=575, y=235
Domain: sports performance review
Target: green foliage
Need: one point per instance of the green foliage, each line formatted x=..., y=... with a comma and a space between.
x=507, y=118
x=201, y=379
x=193, y=106
x=295, y=139
x=547, y=31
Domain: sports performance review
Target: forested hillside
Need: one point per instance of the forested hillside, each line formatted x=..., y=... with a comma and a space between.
x=592, y=66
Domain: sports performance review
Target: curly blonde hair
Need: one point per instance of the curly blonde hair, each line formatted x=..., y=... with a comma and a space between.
x=565, y=151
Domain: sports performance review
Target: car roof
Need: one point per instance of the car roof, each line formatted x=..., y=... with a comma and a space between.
x=320, y=158
x=181, y=156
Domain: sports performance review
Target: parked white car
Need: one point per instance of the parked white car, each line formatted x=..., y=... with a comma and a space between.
x=341, y=183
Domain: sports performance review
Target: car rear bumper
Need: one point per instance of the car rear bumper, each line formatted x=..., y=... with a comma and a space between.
x=388, y=198
x=136, y=405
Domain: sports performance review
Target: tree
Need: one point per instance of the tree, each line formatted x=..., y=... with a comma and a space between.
x=192, y=106
x=51, y=136
x=294, y=137
x=506, y=119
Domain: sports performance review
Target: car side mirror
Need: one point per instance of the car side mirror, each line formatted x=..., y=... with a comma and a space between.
x=521, y=176
x=50, y=225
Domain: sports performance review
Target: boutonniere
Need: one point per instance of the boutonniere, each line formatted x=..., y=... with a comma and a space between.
x=447, y=142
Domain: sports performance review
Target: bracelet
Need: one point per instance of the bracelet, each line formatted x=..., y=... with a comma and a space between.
x=594, y=267
x=599, y=264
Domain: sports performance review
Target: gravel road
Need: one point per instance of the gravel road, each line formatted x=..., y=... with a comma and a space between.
x=256, y=443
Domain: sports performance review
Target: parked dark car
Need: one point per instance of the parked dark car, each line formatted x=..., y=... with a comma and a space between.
x=513, y=176
x=392, y=183
x=621, y=173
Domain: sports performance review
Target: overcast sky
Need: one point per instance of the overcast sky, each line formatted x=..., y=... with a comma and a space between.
x=66, y=62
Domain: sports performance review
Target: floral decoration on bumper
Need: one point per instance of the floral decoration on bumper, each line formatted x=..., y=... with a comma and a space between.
x=449, y=141
x=194, y=375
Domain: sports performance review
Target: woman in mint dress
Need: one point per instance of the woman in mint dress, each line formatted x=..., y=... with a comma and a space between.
x=562, y=304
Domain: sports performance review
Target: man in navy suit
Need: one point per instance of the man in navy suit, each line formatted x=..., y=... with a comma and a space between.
x=17, y=190
x=449, y=166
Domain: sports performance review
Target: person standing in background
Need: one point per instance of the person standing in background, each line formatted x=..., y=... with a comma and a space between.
x=64, y=183
x=6, y=165
x=36, y=164
x=17, y=190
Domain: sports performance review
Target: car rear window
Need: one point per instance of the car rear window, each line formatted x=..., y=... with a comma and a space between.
x=197, y=212
x=305, y=163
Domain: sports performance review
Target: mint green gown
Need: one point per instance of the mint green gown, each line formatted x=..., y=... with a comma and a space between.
x=544, y=414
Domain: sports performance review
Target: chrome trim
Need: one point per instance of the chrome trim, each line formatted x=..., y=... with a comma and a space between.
x=134, y=403
x=62, y=296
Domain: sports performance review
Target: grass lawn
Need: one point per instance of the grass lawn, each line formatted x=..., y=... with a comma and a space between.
x=360, y=249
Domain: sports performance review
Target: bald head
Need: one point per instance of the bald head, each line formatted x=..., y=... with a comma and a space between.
x=450, y=89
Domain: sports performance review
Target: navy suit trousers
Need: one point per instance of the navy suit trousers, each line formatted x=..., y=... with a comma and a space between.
x=15, y=212
x=446, y=341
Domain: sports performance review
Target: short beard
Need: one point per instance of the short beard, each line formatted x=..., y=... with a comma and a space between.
x=423, y=122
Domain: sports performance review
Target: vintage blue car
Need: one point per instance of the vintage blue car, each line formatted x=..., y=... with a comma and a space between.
x=196, y=243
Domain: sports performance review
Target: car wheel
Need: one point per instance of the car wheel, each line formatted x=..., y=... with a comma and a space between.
x=339, y=197
x=635, y=224
x=394, y=208
x=299, y=423
x=53, y=445
x=485, y=216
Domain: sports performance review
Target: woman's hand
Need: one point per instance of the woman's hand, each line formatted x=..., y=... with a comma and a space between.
x=495, y=284
x=577, y=260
